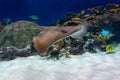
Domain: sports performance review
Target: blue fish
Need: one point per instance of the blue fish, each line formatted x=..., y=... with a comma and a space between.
x=105, y=32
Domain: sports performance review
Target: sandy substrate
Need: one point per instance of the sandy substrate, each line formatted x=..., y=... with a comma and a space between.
x=84, y=67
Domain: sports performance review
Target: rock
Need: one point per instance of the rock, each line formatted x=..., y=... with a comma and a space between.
x=10, y=53
x=18, y=34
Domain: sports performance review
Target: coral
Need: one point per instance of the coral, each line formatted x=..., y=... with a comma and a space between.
x=101, y=38
x=51, y=40
x=94, y=29
x=54, y=50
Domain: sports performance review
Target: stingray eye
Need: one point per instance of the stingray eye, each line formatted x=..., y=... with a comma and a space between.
x=64, y=31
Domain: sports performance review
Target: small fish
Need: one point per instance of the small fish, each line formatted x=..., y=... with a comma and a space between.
x=105, y=32
x=75, y=19
x=114, y=10
x=91, y=17
x=86, y=16
x=34, y=17
x=97, y=10
x=82, y=12
x=109, y=48
x=113, y=6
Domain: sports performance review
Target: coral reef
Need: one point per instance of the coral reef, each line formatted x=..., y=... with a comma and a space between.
x=77, y=33
x=101, y=31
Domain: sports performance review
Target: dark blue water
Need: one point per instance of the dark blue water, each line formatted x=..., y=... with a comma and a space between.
x=46, y=10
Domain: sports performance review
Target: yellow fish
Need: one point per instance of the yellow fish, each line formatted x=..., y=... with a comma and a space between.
x=109, y=48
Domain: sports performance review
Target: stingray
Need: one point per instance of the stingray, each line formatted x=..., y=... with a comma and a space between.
x=49, y=35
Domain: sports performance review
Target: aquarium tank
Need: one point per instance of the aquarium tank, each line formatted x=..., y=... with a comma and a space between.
x=59, y=40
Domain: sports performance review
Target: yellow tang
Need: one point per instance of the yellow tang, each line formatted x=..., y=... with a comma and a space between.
x=75, y=19
x=109, y=48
